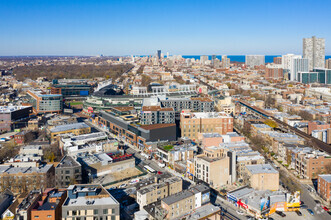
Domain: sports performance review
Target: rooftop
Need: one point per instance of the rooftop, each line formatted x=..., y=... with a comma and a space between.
x=326, y=177
x=8, y=109
x=67, y=161
x=69, y=127
x=261, y=168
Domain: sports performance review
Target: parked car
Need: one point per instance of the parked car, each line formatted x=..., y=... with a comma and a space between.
x=310, y=211
x=304, y=207
x=325, y=208
x=298, y=213
x=281, y=213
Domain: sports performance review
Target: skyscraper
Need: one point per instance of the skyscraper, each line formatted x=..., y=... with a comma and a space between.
x=254, y=60
x=213, y=57
x=225, y=62
x=298, y=65
x=203, y=59
x=314, y=51
x=159, y=54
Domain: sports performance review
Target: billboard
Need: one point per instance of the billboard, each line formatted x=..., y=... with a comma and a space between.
x=293, y=200
x=264, y=204
x=205, y=197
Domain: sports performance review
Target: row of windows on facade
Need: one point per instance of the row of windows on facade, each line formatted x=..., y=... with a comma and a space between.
x=95, y=212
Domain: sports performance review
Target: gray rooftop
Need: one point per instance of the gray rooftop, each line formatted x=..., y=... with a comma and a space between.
x=69, y=127
x=326, y=177
x=261, y=168
x=67, y=161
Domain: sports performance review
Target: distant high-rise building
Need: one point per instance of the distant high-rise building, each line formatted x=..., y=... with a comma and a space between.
x=287, y=61
x=277, y=60
x=255, y=60
x=298, y=65
x=314, y=51
x=213, y=57
x=328, y=63
x=225, y=62
x=167, y=54
x=203, y=59
x=159, y=54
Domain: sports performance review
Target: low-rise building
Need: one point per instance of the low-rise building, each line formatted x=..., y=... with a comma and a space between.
x=68, y=172
x=193, y=123
x=181, y=203
x=324, y=186
x=309, y=164
x=262, y=177
x=90, y=201
x=214, y=171
x=101, y=164
x=13, y=117
x=49, y=205
x=76, y=129
x=20, y=179
x=161, y=188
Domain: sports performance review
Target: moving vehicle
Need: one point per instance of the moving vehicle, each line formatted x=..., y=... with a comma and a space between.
x=149, y=169
x=122, y=186
x=310, y=211
x=240, y=212
x=298, y=213
x=161, y=164
x=281, y=213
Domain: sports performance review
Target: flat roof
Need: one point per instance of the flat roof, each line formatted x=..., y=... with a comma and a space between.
x=261, y=168
x=8, y=109
x=326, y=177
x=68, y=127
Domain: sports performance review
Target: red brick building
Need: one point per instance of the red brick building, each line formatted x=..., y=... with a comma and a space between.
x=324, y=186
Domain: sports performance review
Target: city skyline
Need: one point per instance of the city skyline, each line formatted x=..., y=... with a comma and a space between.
x=120, y=28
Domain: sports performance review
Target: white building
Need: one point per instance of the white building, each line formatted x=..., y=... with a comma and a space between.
x=298, y=65
x=314, y=51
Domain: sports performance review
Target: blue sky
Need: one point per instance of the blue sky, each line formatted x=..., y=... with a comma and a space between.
x=118, y=27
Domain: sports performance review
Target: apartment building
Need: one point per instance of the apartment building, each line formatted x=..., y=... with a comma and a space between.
x=214, y=171
x=20, y=179
x=161, y=188
x=90, y=201
x=176, y=153
x=193, y=123
x=23, y=210
x=49, y=205
x=245, y=159
x=156, y=115
x=262, y=177
x=68, y=172
x=324, y=186
x=183, y=202
x=309, y=164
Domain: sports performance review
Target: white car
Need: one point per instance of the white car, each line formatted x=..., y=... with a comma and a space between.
x=122, y=186
x=240, y=212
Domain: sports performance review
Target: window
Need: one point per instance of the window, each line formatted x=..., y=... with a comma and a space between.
x=49, y=216
x=113, y=217
x=36, y=216
x=105, y=211
x=113, y=211
x=95, y=211
x=74, y=212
